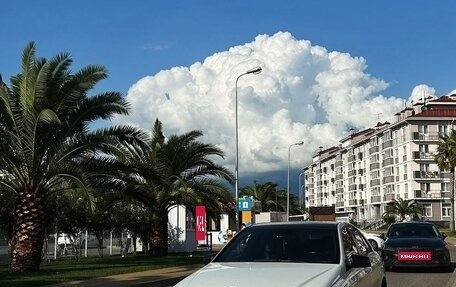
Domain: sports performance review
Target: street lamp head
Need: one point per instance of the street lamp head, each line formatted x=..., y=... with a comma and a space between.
x=300, y=143
x=255, y=70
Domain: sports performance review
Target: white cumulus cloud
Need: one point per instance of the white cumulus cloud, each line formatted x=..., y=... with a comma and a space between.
x=303, y=93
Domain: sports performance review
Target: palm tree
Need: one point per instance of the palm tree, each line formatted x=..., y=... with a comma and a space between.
x=178, y=170
x=271, y=199
x=402, y=208
x=445, y=157
x=45, y=142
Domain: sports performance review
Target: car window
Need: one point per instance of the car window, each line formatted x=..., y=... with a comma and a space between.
x=413, y=230
x=315, y=245
x=363, y=247
x=350, y=247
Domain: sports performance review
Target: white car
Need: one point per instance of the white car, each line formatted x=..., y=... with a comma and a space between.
x=375, y=240
x=290, y=254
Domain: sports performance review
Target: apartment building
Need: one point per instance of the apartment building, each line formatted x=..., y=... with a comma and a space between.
x=370, y=168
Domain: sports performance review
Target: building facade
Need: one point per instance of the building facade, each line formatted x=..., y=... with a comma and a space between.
x=372, y=167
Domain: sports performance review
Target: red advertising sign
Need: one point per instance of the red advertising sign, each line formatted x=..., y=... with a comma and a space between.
x=412, y=256
x=200, y=213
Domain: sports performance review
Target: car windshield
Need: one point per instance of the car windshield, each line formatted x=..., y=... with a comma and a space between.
x=413, y=230
x=272, y=244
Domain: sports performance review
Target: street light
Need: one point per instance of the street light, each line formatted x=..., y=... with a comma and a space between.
x=255, y=71
x=288, y=179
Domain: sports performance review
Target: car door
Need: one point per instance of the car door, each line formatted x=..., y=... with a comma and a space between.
x=353, y=276
x=376, y=272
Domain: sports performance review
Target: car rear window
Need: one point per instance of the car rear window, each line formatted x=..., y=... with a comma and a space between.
x=413, y=230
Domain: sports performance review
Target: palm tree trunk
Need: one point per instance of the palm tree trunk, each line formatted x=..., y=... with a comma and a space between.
x=28, y=233
x=159, y=236
x=452, y=229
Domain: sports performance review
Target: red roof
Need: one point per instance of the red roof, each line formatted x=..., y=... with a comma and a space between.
x=437, y=113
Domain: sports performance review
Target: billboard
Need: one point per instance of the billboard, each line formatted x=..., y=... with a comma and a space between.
x=200, y=231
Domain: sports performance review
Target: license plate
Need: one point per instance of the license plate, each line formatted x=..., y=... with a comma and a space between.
x=414, y=256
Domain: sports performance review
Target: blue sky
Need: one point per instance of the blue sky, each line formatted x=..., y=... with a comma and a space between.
x=321, y=59
x=405, y=42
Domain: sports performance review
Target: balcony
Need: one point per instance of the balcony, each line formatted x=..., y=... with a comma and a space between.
x=352, y=172
x=375, y=165
x=340, y=190
x=426, y=175
x=339, y=163
x=351, y=158
x=340, y=204
x=374, y=149
x=387, y=144
x=417, y=155
x=429, y=194
x=375, y=182
x=375, y=198
x=388, y=179
x=339, y=176
x=388, y=161
x=352, y=187
x=425, y=137
x=389, y=196
x=352, y=202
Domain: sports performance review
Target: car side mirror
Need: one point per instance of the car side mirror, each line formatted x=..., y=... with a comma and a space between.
x=382, y=236
x=444, y=235
x=208, y=258
x=360, y=261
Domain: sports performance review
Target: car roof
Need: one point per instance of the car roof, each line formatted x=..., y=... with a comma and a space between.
x=413, y=223
x=295, y=224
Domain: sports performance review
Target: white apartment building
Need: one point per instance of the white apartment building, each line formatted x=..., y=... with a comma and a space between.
x=394, y=160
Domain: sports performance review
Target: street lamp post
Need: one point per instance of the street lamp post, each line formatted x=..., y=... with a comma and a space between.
x=254, y=71
x=288, y=179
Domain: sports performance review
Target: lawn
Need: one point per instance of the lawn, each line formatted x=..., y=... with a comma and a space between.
x=92, y=267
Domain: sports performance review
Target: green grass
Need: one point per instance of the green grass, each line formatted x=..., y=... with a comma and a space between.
x=92, y=267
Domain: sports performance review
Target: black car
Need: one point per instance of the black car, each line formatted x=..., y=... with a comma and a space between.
x=415, y=244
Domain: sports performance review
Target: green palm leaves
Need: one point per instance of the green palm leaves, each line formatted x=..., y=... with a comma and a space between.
x=445, y=158
x=46, y=144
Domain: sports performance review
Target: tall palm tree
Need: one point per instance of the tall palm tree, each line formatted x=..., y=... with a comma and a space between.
x=179, y=170
x=445, y=157
x=45, y=142
x=403, y=207
x=271, y=199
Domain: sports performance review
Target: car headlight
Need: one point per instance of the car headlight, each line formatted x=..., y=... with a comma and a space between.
x=441, y=249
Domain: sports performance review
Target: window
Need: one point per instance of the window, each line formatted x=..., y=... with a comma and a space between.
x=426, y=187
x=443, y=130
x=349, y=243
x=427, y=210
x=445, y=186
x=424, y=148
x=363, y=246
x=446, y=210
x=423, y=129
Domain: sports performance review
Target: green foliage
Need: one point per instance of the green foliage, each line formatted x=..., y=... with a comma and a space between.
x=445, y=158
x=93, y=267
x=402, y=208
x=389, y=218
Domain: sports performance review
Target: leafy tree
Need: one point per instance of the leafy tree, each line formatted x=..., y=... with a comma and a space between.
x=445, y=158
x=179, y=170
x=46, y=143
x=402, y=208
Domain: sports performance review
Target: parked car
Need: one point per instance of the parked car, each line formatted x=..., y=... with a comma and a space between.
x=375, y=240
x=293, y=254
x=415, y=244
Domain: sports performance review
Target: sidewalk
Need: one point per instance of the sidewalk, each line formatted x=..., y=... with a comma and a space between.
x=143, y=278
